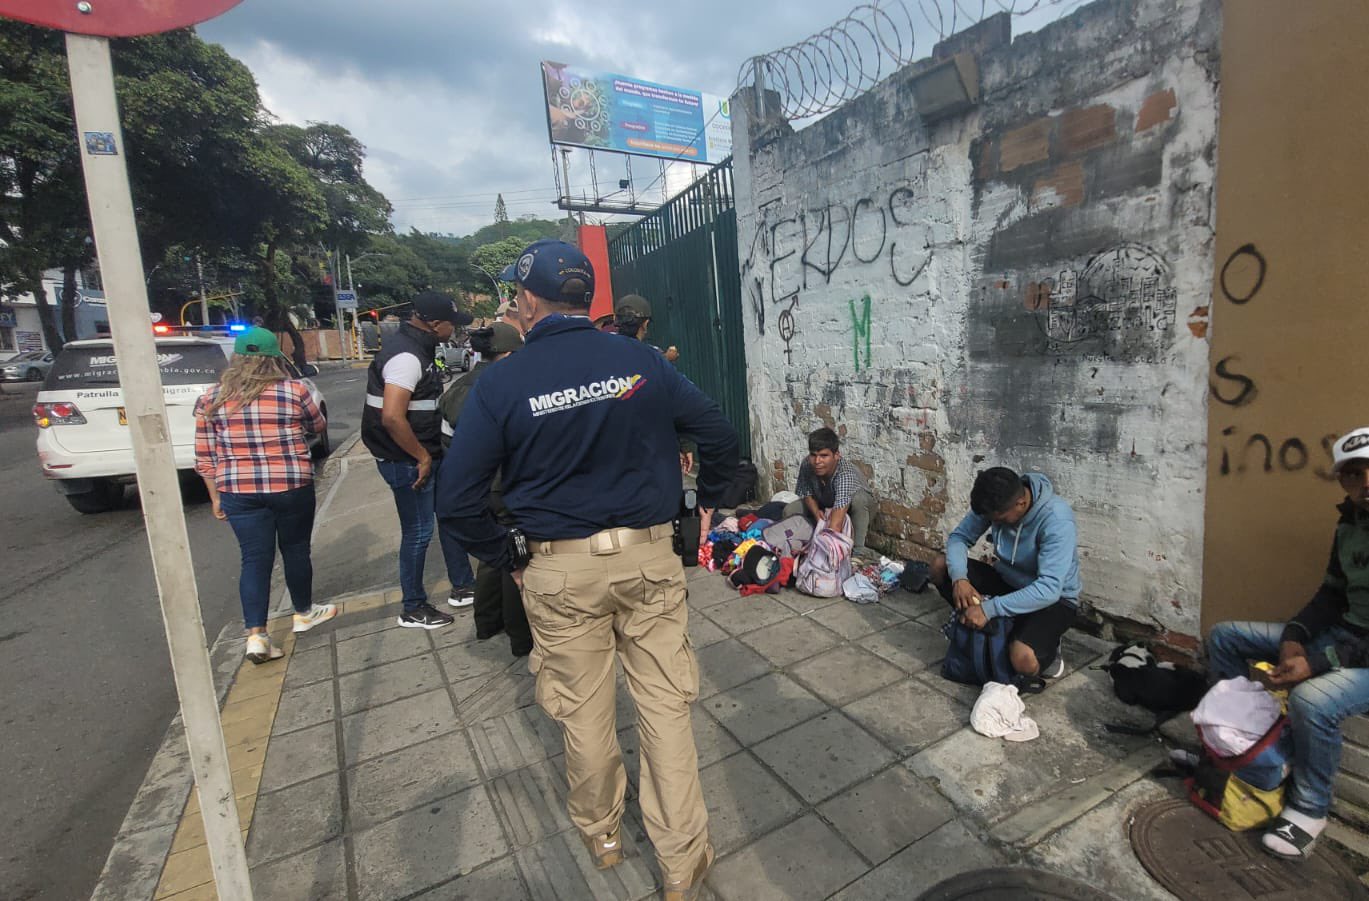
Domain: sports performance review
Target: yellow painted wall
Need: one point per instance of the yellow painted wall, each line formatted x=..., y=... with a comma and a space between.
x=1290, y=300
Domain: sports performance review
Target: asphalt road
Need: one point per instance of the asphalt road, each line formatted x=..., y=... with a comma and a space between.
x=86, y=692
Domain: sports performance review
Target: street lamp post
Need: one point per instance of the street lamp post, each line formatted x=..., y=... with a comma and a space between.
x=494, y=281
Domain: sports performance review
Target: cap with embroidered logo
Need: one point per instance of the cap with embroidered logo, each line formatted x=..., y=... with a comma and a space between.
x=555, y=271
x=1351, y=446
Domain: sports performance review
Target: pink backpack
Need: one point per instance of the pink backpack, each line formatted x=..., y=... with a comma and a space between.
x=827, y=562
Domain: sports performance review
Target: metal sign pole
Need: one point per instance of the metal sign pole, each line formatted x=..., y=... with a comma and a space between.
x=116, y=240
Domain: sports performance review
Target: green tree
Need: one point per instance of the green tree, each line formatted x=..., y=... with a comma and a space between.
x=447, y=259
x=39, y=166
x=390, y=272
x=501, y=214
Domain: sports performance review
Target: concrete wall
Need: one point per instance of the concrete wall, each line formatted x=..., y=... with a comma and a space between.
x=1024, y=284
x=1289, y=294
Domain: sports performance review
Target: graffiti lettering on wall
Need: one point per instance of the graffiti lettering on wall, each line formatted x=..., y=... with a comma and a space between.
x=1261, y=453
x=1242, y=274
x=860, y=328
x=1120, y=304
x=1235, y=390
x=789, y=254
x=1240, y=279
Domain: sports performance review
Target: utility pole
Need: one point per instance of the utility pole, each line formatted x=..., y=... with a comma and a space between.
x=204, y=300
x=116, y=241
x=341, y=331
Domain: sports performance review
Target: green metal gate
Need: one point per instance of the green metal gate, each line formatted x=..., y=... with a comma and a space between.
x=683, y=258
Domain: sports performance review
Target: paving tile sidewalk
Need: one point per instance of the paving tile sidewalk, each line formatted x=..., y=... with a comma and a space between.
x=836, y=763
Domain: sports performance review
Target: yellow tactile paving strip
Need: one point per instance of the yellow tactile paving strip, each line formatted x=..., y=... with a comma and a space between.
x=247, y=717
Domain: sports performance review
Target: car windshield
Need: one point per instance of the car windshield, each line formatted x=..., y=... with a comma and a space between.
x=180, y=364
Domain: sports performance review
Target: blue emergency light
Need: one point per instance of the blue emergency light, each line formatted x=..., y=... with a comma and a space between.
x=237, y=327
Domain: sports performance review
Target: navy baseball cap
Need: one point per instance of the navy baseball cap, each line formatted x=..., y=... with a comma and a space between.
x=554, y=270
x=434, y=306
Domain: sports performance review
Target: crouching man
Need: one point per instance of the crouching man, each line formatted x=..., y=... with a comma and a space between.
x=1034, y=577
x=829, y=486
x=1322, y=656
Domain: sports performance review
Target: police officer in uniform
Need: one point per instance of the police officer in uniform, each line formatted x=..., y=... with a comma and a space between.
x=402, y=428
x=584, y=427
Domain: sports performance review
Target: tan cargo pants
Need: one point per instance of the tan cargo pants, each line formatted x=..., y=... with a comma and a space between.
x=584, y=608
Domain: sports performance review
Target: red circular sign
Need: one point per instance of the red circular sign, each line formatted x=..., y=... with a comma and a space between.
x=114, y=18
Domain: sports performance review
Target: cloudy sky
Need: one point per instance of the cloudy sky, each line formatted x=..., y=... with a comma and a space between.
x=447, y=94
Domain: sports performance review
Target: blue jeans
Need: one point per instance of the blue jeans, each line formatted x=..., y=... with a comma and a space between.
x=459, y=571
x=415, y=508
x=1315, y=707
x=262, y=522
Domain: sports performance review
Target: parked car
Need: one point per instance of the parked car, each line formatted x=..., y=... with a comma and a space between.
x=83, y=441
x=29, y=366
x=457, y=356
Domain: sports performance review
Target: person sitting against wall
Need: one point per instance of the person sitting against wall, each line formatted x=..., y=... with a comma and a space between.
x=1322, y=657
x=1034, y=577
x=829, y=486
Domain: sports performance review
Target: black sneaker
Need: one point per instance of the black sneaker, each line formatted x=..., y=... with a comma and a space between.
x=425, y=616
x=462, y=598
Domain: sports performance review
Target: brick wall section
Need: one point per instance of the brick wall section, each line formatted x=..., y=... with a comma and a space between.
x=1030, y=143
x=1004, y=288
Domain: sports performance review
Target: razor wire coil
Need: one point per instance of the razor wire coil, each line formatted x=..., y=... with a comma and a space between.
x=847, y=59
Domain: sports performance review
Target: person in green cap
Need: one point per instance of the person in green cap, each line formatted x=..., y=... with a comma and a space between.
x=252, y=450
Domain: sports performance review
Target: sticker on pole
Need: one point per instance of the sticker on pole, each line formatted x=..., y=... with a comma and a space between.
x=101, y=143
x=115, y=18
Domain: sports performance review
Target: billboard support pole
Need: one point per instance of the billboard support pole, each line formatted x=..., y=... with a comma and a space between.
x=116, y=242
x=565, y=177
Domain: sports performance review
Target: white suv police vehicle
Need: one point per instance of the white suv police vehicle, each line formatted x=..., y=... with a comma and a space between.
x=83, y=441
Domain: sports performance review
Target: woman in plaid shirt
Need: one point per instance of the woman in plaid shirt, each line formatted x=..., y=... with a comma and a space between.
x=252, y=452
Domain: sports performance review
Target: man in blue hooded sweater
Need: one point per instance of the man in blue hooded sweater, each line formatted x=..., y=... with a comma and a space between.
x=1034, y=577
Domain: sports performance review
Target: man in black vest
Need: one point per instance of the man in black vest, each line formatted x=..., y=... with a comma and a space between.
x=402, y=429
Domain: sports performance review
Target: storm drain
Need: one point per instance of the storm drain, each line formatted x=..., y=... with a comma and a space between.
x=1199, y=859
x=1012, y=884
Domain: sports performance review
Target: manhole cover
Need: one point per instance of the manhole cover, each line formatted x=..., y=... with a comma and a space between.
x=1012, y=884
x=1199, y=859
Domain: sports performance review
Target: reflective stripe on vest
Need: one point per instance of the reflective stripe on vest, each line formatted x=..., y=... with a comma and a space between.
x=379, y=403
x=447, y=429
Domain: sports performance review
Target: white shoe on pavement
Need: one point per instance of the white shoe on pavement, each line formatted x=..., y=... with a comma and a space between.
x=462, y=597
x=260, y=649
x=319, y=613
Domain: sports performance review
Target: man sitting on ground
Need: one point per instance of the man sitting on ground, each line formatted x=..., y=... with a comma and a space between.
x=1322, y=655
x=831, y=488
x=1035, y=573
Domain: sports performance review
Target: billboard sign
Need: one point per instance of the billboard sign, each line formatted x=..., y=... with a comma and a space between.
x=604, y=111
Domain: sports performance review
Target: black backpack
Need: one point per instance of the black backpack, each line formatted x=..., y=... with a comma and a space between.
x=742, y=487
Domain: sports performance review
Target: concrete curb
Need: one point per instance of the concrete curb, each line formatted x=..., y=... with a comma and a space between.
x=135, y=862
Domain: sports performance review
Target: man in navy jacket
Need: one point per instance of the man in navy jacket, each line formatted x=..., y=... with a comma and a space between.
x=584, y=427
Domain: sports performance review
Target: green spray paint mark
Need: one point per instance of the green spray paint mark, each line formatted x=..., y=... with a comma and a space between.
x=860, y=328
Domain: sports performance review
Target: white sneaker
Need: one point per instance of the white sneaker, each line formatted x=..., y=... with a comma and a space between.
x=260, y=649
x=1056, y=669
x=319, y=613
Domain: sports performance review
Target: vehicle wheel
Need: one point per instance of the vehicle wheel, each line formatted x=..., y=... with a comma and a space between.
x=322, y=448
x=105, y=496
x=34, y=375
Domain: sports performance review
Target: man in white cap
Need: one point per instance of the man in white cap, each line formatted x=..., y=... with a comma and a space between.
x=1322, y=657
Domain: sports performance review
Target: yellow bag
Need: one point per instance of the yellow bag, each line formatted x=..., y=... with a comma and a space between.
x=1218, y=789
x=1237, y=805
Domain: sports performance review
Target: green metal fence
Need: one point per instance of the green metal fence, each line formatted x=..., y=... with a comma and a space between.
x=683, y=259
